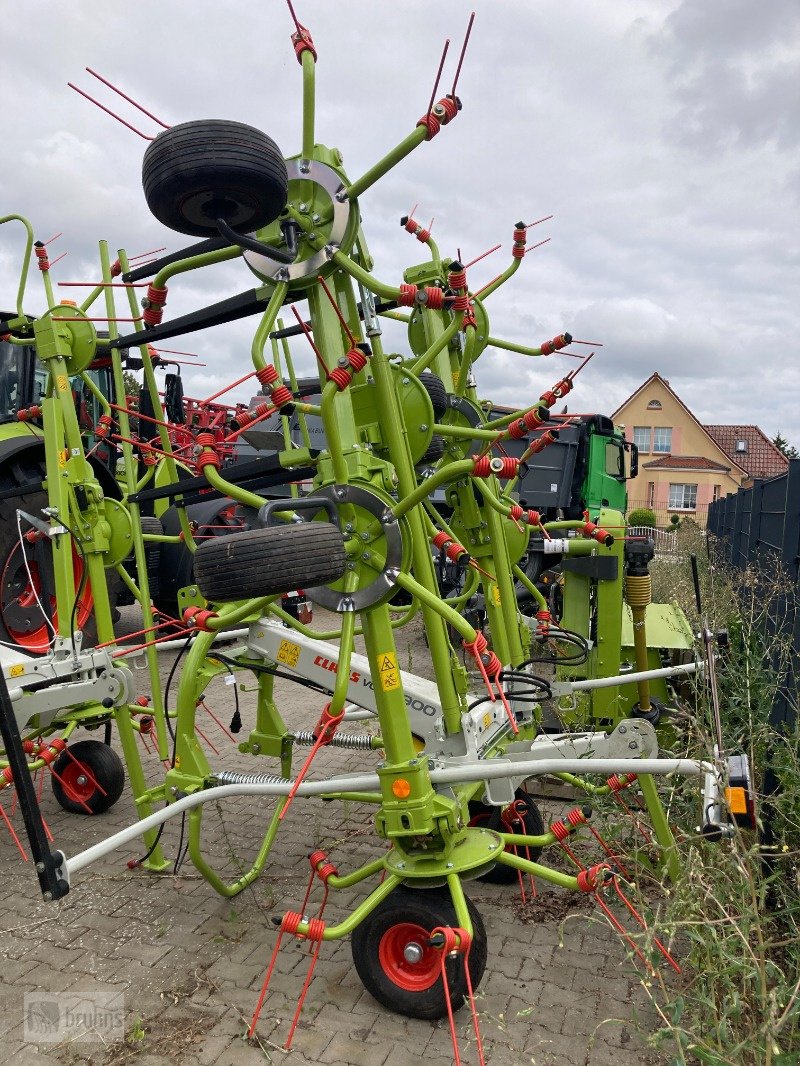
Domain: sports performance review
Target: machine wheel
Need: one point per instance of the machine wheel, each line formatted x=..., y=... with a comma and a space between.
x=261, y=562
x=152, y=553
x=522, y=816
x=90, y=774
x=397, y=965
x=434, y=387
x=434, y=451
x=197, y=172
x=21, y=620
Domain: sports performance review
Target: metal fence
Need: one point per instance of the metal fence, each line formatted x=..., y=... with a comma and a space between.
x=759, y=528
x=664, y=517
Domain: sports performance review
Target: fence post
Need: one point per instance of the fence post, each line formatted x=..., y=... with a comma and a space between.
x=754, y=532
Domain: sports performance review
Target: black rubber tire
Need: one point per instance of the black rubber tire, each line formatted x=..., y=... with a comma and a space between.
x=29, y=620
x=491, y=817
x=197, y=172
x=434, y=387
x=215, y=518
x=434, y=452
x=103, y=765
x=262, y=562
x=152, y=552
x=427, y=909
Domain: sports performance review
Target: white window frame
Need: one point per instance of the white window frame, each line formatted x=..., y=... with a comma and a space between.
x=683, y=491
x=644, y=448
x=656, y=442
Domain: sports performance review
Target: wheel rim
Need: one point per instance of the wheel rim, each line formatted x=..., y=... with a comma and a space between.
x=22, y=616
x=412, y=975
x=78, y=783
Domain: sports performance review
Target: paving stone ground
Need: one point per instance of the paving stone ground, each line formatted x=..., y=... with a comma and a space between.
x=188, y=963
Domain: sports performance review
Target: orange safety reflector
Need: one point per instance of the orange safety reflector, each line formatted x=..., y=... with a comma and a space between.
x=68, y=303
x=736, y=799
x=401, y=788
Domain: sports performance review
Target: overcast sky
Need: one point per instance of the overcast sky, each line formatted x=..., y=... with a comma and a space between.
x=661, y=134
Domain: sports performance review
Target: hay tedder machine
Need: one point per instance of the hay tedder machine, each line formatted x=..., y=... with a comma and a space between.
x=413, y=478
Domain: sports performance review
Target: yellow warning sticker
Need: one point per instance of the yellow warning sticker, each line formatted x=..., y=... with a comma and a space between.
x=496, y=595
x=390, y=674
x=288, y=653
x=487, y=720
x=16, y=670
x=63, y=382
x=63, y=455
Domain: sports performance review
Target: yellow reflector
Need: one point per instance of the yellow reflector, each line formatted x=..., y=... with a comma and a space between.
x=737, y=800
x=401, y=788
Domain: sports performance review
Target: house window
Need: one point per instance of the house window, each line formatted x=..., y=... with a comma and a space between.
x=651, y=493
x=641, y=438
x=741, y=446
x=654, y=405
x=682, y=497
x=662, y=439
x=717, y=492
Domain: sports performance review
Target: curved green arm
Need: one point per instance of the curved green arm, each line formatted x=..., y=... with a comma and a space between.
x=26, y=259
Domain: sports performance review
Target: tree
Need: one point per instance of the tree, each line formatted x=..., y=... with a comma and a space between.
x=131, y=383
x=784, y=447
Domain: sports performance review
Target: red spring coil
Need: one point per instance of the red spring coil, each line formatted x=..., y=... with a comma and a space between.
x=539, y=445
x=6, y=777
x=516, y=512
x=412, y=226
x=455, y=551
x=460, y=303
x=535, y=417
x=534, y=518
x=281, y=396
x=434, y=297
x=291, y=920
x=602, y=536
x=322, y=866
x=576, y=817
x=556, y=344
x=469, y=319
x=448, y=104
x=431, y=124
x=457, y=279
x=356, y=359
x=29, y=413
x=303, y=43
x=206, y=439
x=152, y=315
x=105, y=424
x=423, y=235
x=198, y=618
x=486, y=465
x=517, y=430
x=617, y=785
x=149, y=457
x=53, y=750
x=520, y=236
x=267, y=375
x=560, y=831
x=408, y=295
x=478, y=645
x=156, y=295
x=341, y=375
x=588, y=880
x=41, y=255
x=441, y=540
x=543, y=620
x=142, y=701
x=316, y=929
x=492, y=664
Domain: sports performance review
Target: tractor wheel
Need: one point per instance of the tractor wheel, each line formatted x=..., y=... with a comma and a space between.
x=197, y=172
x=523, y=817
x=21, y=619
x=261, y=562
x=398, y=966
x=90, y=775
